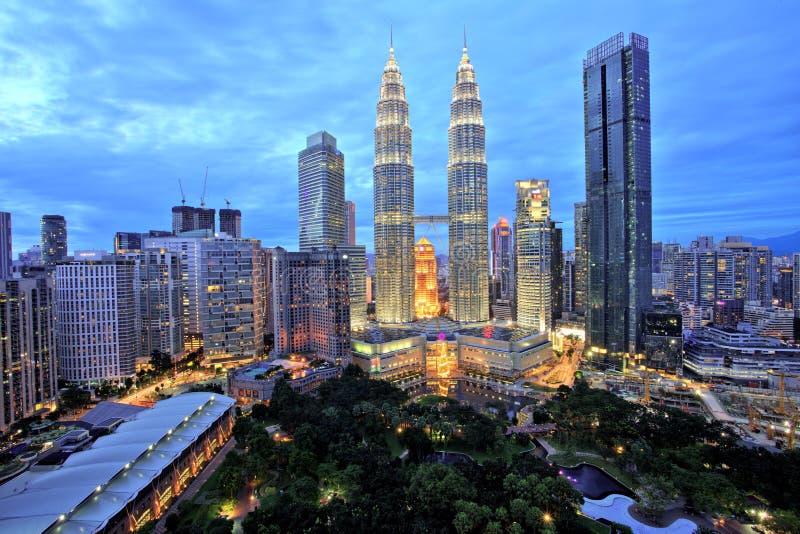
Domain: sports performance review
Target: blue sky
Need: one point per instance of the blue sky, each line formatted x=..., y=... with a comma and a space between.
x=105, y=104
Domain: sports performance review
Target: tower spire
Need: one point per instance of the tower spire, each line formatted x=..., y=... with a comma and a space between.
x=465, y=37
x=391, y=39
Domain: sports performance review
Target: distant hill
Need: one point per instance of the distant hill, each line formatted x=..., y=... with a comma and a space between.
x=780, y=245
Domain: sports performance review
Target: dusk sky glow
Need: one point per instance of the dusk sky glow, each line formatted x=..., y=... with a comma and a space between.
x=105, y=104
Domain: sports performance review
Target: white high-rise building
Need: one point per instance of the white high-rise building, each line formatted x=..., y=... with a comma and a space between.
x=223, y=284
x=97, y=334
x=533, y=252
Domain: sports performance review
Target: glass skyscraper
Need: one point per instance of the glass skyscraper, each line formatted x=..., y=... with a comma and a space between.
x=503, y=257
x=54, y=239
x=581, y=256
x=467, y=200
x=320, y=171
x=393, y=177
x=616, y=89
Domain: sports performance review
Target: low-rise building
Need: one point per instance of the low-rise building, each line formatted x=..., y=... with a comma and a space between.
x=124, y=479
x=256, y=382
x=713, y=353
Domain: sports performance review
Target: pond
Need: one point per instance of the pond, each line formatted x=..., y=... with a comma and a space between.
x=593, y=482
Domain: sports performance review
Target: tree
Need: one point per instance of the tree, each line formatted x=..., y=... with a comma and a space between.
x=655, y=493
x=171, y=522
x=259, y=412
x=75, y=398
x=783, y=522
x=418, y=443
x=160, y=361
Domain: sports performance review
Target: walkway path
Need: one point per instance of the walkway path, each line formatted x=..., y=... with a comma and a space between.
x=547, y=447
x=615, y=508
x=196, y=484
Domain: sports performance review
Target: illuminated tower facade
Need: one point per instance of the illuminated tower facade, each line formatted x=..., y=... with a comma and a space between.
x=427, y=290
x=393, y=176
x=533, y=242
x=616, y=96
x=467, y=200
x=54, y=239
x=320, y=182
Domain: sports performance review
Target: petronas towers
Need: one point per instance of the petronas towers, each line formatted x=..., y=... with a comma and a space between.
x=393, y=176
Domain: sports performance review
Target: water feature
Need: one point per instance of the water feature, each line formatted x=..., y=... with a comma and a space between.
x=593, y=482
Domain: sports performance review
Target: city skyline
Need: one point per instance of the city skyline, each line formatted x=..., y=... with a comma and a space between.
x=226, y=98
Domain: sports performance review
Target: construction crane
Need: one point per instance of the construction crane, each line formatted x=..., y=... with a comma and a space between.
x=183, y=195
x=228, y=203
x=203, y=196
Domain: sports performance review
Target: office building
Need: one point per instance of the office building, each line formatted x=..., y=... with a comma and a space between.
x=467, y=200
x=568, y=281
x=230, y=222
x=350, y=222
x=668, y=253
x=728, y=313
x=769, y=321
x=31, y=257
x=320, y=172
x=502, y=246
x=752, y=270
x=311, y=304
x=393, y=176
x=356, y=256
x=427, y=288
x=556, y=271
x=663, y=339
x=98, y=338
x=231, y=283
x=783, y=286
x=158, y=290
x=54, y=239
x=5, y=244
x=713, y=353
x=27, y=348
x=267, y=312
x=222, y=290
x=533, y=245
x=658, y=256
x=796, y=284
x=616, y=82
x=184, y=219
x=125, y=242
x=581, y=256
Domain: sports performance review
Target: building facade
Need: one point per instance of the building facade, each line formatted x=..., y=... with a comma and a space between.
x=502, y=246
x=393, y=176
x=581, y=256
x=158, y=291
x=311, y=304
x=533, y=253
x=98, y=337
x=427, y=287
x=54, y=239
x=320, y=172
x=27, y=348
x=467, y=200
x=5, y=244
x=616, y=83
x=230, y=222
x=350, y=222
x=125, y=242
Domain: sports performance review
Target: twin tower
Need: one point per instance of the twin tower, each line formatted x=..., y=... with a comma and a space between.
x=467, y=201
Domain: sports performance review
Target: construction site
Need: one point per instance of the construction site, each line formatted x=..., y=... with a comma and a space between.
x=766, y=416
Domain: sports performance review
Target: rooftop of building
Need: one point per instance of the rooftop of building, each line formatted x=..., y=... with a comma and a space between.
x=443, y=329
x=267, y=368
x=92, y=486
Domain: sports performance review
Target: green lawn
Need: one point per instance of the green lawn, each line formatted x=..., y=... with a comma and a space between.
x=592, y=526
x=506, y=454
